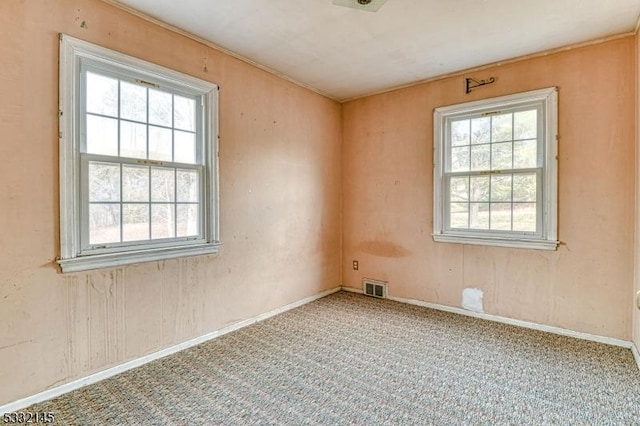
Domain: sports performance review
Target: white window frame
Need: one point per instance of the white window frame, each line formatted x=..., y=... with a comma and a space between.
x=73, y=54
x=545, y=238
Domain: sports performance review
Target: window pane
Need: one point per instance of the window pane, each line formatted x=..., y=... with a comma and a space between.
x=104, y=182
x=459, y=187
x=136, y=222
x=163, y=185
x=525, y=154
x=501, y=188
x=524, y=217
x=104, y=223
x=133, y=102
x=160, y=108
x=135, y=183
x=460, y=132
x=159, y=143
x=184, y=147
x=480, y=157
x=524, y=188
x=479, y=215
x=187, y=217
x=184, y=113
x=460, y=159
x=480, y=188
x=501, y=156
x=102, y=94
x=481, y=130
x=133, y=140
x=102, y=135
x=525, y=124
x=162, y=221
x=187, y=181
x=501, y=128
x=501, y=216
x=459, y=215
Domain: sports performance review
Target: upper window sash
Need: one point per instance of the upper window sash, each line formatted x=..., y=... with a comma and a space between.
x=489, y=112
x=108, y=70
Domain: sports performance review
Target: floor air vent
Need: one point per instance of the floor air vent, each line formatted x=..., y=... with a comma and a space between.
x=374, y=288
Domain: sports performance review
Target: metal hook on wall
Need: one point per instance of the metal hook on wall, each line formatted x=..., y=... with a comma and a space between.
x=472, y=84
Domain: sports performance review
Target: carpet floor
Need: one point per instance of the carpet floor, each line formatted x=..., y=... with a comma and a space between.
x=349, y=359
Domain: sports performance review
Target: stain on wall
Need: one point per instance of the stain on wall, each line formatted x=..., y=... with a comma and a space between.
x=383, y=248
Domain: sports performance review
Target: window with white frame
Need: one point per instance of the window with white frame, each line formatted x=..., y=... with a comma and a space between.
x=495, y=171
x=138, y=160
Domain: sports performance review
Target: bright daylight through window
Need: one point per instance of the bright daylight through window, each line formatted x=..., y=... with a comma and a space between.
x=138, y=160
x=495, y=174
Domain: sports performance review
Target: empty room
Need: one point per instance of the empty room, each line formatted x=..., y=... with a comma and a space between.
x=335, y=212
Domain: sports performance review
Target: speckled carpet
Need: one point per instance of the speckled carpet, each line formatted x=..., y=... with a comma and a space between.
x=348, y=359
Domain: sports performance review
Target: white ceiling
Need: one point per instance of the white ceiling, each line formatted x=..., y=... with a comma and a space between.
x=346, y=53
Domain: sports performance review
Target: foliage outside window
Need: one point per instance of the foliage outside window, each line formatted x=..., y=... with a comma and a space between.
x=138, y=160
x=495, y=174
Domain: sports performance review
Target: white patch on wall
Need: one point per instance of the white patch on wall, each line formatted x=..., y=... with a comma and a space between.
x=374, y=288
x=472, y=299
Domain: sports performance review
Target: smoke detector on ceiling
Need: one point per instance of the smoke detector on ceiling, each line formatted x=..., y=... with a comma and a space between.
x=368, y=5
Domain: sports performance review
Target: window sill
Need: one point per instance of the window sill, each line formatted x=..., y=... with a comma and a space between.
x=497, y=242
x=99, y=261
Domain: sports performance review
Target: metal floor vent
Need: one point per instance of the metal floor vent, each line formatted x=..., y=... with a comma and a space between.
x=374, y=288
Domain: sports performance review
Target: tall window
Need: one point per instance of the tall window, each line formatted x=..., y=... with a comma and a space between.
x=495, y=175
x=138, y=160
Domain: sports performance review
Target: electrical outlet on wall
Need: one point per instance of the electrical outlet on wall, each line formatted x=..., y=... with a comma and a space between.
x=355, y=265
x=638, y=300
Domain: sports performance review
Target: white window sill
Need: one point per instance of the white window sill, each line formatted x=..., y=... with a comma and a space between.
x=110, y=260
x=497, y=242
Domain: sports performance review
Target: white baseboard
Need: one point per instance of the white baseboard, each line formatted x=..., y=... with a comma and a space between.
x=636, y=354
x=505, y=320
x=110, y=372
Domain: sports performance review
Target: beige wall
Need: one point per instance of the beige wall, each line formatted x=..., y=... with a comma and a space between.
x=387, y=196
x=636, y=310
x=280, y=205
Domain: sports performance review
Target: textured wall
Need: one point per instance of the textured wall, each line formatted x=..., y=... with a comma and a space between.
x=280, y=205
x=636, y=310
x=387, y=196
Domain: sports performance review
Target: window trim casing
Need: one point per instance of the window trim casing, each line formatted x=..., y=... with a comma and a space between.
x=548, y=239
x=72, y=52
